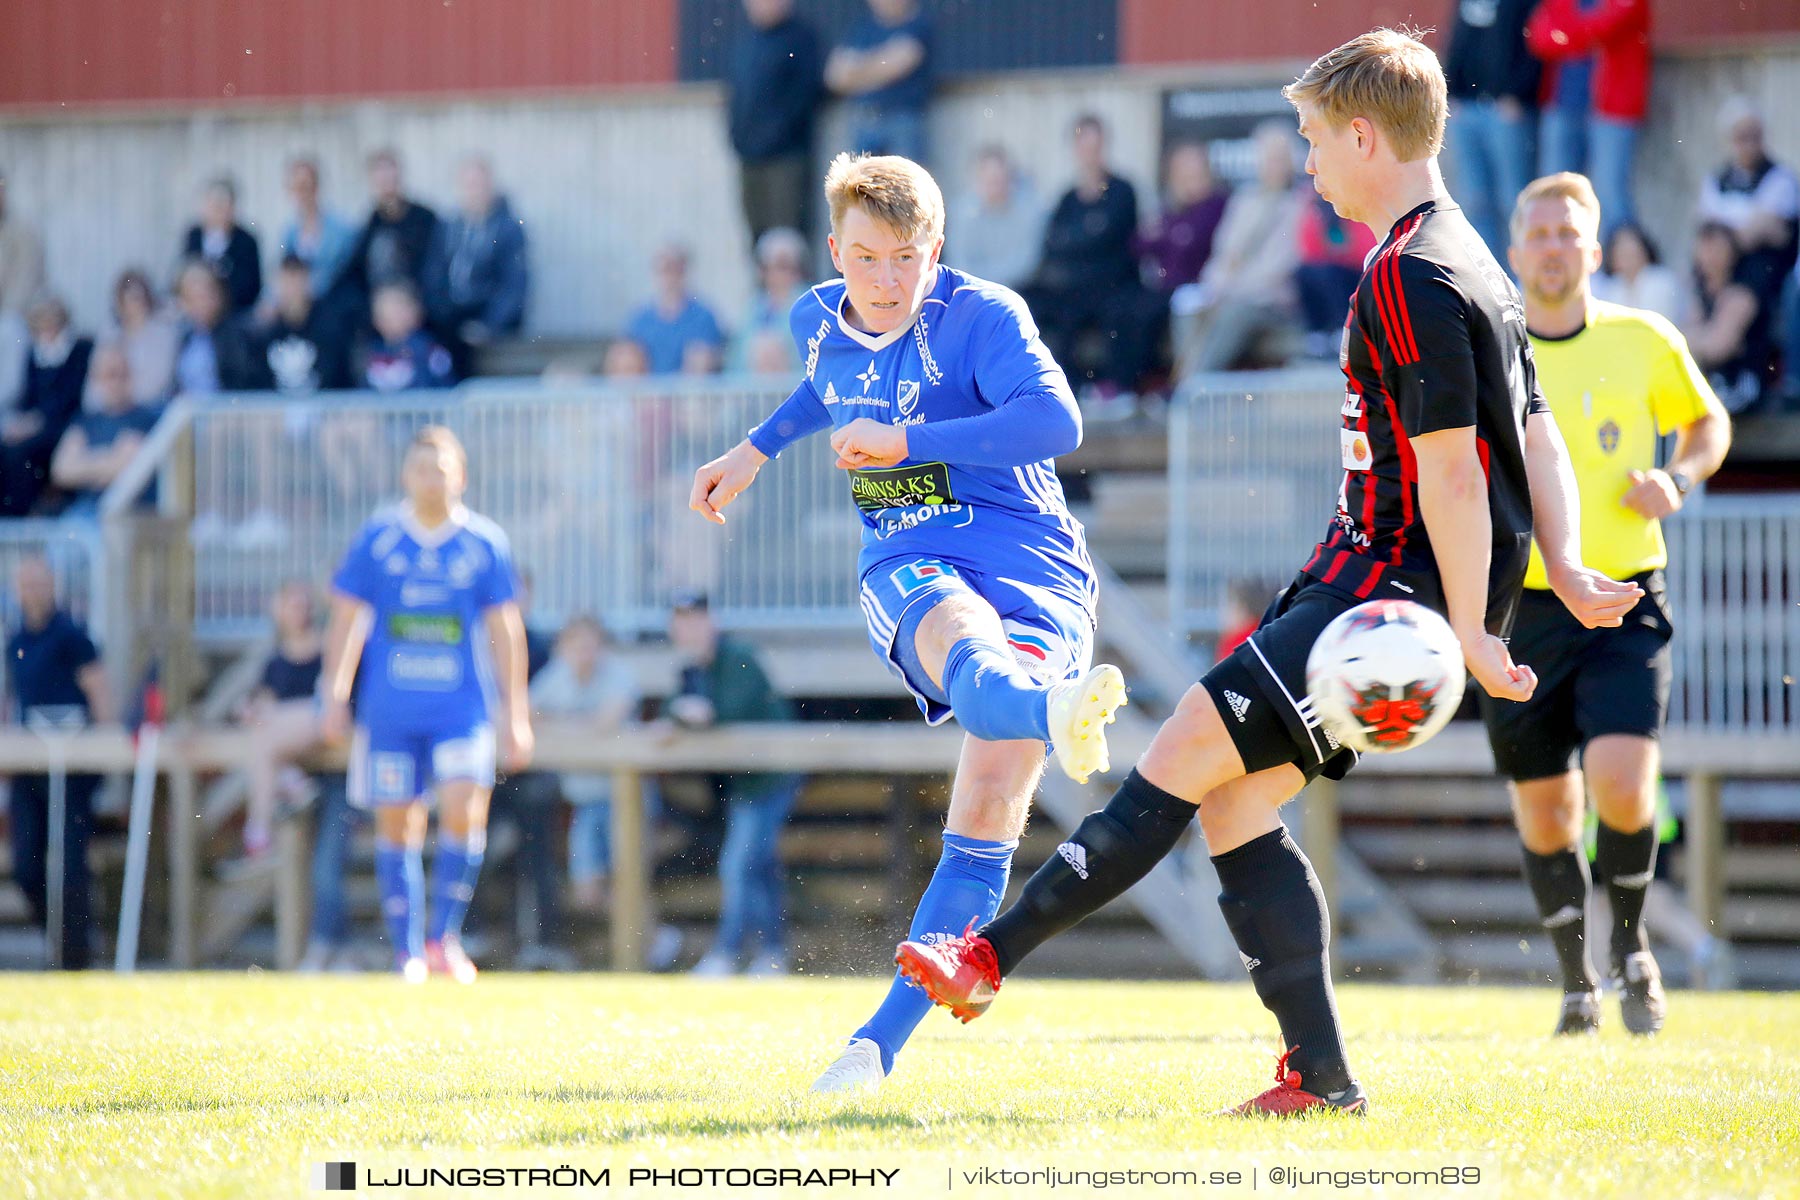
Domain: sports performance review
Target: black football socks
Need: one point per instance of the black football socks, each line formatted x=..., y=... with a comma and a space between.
x=1559, y=883
x=1108, y=852
x=1625, y=863
x=1276, y=910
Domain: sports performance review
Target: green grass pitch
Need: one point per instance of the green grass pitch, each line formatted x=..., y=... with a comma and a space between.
x=198, y=1086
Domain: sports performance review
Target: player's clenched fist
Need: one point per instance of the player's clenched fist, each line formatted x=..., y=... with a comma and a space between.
x=1493, y=668
x=869, y=443
x=724, y=479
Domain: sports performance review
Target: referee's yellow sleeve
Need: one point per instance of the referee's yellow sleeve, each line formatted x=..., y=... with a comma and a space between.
x=1680, y=395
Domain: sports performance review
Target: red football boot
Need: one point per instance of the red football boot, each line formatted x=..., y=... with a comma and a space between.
x=959, y=973
x=1287, y=1098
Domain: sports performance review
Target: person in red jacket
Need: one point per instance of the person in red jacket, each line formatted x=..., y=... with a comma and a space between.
x=1596, y=87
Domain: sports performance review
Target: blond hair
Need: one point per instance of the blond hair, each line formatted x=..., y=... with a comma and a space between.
x=895, y=191
x=439, y=437
x=1388, y=77
x=1564, y=185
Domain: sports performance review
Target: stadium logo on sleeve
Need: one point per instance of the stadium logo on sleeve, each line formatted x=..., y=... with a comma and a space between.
x=812, y=347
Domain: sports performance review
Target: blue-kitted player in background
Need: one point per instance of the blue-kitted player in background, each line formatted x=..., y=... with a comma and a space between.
x=427, y=592
x=946, y=411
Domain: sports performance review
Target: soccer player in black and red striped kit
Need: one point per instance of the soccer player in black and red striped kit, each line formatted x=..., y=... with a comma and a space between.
x=1450, y=461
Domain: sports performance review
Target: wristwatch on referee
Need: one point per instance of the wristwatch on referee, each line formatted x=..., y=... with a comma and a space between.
x=1681, y=481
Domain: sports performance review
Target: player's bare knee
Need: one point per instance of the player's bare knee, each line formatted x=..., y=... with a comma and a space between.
x=1548, y=812
x=1194, y=727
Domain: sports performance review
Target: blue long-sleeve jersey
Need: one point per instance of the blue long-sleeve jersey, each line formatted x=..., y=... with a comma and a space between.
x=986, y=410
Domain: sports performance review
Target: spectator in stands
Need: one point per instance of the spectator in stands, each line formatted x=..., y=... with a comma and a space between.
x=997, y=230
x=723, y=682
x=625, y=358
x=775, y=86
x=282, y=714
x=781, y=278
x=676, y=330
x=1088, y=279
x=1181, y=241
x=1493, y=90
x=403, y=357
x=303, y=347
x=1789, y=315
x=316, y=235
x=1247, y=290
x=883, y=67
x=1758, y=198
x=1332, y=253
x=476, y=276
x=227, y=247
x=1634, y=274
x=587, y=687
x=51, y=663
x=1728, y=327
x=55, y=378
x=1596, y=89
x=105, y=437
x=21, y=260
x=144, y=329
x=393, y=244
x=214, y=351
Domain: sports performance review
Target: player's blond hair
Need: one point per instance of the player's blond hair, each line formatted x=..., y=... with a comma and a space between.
x=1564, y=185
x=895, y=191
x=440, y=437
x=1390, y=78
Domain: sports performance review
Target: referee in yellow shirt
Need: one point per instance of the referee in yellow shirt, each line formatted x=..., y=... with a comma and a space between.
x=1616, y=379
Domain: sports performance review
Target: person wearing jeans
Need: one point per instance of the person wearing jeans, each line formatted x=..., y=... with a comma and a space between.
x=1493, y=88
x=722, y=682
x=752, y=882
x=1596, y=86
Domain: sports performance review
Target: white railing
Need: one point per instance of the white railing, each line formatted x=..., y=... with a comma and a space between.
x=590, y=484
x=77, y=558
x=1252, y=485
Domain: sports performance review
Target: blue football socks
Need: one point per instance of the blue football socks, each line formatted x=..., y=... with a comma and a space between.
x=992, y=696
x=453, y=873
x=400, y=872
x=967, y=886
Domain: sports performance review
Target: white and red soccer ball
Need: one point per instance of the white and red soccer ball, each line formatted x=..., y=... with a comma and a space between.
x=1385, y=676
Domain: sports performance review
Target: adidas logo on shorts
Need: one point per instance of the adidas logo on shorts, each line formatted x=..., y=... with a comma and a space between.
x=1250, y=964
x=1239, y=704
x=1076, y=856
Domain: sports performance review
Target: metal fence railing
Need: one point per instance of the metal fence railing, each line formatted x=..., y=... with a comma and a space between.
x=590, y=483
x=75, y=551
x=1252, y=484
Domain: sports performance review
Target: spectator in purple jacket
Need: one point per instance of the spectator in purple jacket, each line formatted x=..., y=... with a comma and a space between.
x=1181, y=241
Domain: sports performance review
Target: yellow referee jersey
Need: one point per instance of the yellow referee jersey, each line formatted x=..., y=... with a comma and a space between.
x=1615, y=386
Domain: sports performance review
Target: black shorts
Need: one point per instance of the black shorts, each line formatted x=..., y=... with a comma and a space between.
x=1260, y=688
x=1591, y=682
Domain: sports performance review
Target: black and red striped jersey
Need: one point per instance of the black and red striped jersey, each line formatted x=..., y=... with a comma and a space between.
x=1435, y=340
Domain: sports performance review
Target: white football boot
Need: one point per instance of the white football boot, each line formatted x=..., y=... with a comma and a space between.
x=858, y=1067
x=1080, y=711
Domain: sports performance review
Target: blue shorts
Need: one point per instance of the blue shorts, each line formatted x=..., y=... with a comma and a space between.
x=389, y=767
x=1051, y=635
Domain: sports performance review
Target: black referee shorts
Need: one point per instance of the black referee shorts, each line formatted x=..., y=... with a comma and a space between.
x=1260, y=688
x=1591, y=682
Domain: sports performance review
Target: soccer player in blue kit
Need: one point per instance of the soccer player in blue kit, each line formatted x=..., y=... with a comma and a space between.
x=946, y=412
x=426, y=589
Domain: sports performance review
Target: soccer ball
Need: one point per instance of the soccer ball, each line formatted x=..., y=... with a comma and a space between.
x=1385, y=676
